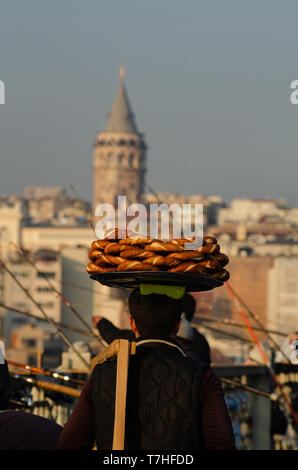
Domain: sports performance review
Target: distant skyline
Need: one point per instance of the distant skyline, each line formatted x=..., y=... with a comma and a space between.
x=209, y=85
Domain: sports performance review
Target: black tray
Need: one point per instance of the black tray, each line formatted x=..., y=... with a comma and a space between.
x=132, y=279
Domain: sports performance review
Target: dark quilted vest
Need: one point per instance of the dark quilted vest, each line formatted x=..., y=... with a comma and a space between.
x=163, y=400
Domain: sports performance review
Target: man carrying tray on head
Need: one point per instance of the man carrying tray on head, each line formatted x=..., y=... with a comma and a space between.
x=173, y=402
x=188, y=337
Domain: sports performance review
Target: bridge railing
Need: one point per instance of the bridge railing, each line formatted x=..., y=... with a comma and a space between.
x=251, y=414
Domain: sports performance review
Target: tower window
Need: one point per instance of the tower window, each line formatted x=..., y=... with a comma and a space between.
x=120, y=158
x=122, y=142
x=131, y=159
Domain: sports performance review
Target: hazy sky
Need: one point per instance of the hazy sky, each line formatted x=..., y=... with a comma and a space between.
x=209, y=83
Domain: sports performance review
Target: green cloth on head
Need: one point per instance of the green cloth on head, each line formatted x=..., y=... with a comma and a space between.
x=176, y=292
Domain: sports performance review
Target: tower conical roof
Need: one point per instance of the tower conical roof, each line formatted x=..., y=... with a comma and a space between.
x=121, y=117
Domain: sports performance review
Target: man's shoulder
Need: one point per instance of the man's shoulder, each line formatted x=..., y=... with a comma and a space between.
x=159, y=359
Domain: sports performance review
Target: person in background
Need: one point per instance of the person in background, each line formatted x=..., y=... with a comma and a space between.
x=20, y=430
x=173, y=402
x=290, y=349
x=191, y=341
x=110, y=332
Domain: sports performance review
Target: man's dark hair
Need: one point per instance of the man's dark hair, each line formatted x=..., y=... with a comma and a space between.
x=189, y=306
x=154, y=314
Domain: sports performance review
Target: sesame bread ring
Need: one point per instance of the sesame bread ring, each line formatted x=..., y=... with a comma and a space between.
x=135, y=241
x=182, y=241
x=156, y=260
x=93, y=268
x=221, y=258
x=112, y=248
x=171, y=260
x=209, y=249
x=164, y=246
x=99, y=244
x=94, y=254
x=108, y=259
x=222, y=274
x=186, y=255
x=130, y=252
x=145, y=254
x=209, y=239
x=188, y=267
x=209, y=264
x=132, y=265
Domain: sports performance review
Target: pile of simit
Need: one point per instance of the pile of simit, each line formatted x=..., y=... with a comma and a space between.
x=135, y=253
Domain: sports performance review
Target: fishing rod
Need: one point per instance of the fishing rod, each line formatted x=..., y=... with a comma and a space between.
x=153, y=192
x=61, y=325
x=77, y=286
x=231, y=335
x=257, y=391
x=227, y=322
x=49, y=385
x=236, y=298
x=37, y=370
x=64, y=300
x=50, y=321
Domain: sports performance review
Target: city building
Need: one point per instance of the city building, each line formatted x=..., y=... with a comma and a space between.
x=282, y=294
x=250, y=210
x=12, y=213
x=47, y=262
x=119, y=154
x=39, y=236
x=249, y=277
x=53, y=206
x=41, y=192
x=77, y=288
x=72, y=362
x=32, y=345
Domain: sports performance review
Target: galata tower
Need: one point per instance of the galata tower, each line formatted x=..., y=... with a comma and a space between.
x=119, y=155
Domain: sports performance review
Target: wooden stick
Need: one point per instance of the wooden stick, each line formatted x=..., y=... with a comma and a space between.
x=121, y=392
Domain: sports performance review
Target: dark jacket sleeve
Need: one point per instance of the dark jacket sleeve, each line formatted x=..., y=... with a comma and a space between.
x=78, y=432
x=216, y=424
x=26, y=431
x=110, y=332
x=4, y=379
x=4, y=386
